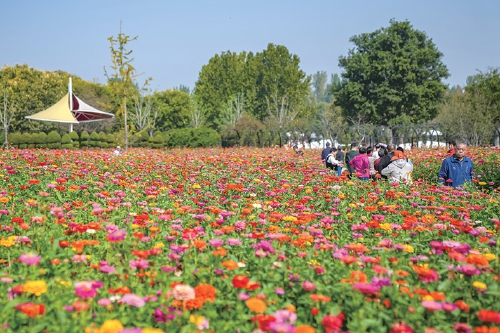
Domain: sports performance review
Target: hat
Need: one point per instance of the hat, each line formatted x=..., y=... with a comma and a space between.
x=398, y=155
x=118, y=147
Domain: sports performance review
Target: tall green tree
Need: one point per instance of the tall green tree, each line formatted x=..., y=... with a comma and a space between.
x=173, y=110
x=283, y=88
x=486, y=86
x=319, y=84
x=218, y=81
x=392, y=75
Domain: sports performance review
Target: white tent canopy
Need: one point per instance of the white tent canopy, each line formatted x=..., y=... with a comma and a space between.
x=71, y=111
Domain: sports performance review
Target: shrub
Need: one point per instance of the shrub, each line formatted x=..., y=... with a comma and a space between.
x=31, y=139
x=85, y=139
x=42, y=140
x=66, y=141
x=54, y=140
x=14, y=139
x=75, y=139
x=94, y=139
x=103, y=138
x=156, y=141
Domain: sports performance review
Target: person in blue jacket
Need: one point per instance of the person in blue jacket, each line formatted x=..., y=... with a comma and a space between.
x=458, y=169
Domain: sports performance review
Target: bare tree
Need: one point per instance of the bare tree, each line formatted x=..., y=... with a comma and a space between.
x=233, y=110
x=281, y=109
x=6, y=117
x=198, y=113
x=141, y=115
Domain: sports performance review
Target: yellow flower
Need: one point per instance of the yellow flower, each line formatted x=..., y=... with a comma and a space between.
x=197, y=320
x=10, y=241
x=256, y=180
x=490, y=256
x=111, y=326
x=479, y=285
x=385, y=226
x=291, y=308
x=408, y=248
x=152, y=330
x=289, y=218
x=65, y=283
x=196, y=186
x=159, y=245
x=37, y=287
x=427, y=298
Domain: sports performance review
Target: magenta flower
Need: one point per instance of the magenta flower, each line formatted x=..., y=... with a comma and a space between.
x=468, y=270
x=87, y=289
x=216, y=242
x=30, y=259
x=366, y=288
x=141, y=263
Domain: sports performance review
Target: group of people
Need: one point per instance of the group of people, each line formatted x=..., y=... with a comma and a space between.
x=390, y=162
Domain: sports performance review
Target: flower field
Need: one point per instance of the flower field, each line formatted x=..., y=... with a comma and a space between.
x=243, y=240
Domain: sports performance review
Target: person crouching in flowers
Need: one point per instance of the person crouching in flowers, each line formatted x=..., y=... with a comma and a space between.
x=399, y=170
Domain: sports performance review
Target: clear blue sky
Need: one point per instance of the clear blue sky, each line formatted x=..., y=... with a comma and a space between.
x=176, y=38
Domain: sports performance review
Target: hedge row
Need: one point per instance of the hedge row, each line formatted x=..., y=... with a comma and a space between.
x=185, y=137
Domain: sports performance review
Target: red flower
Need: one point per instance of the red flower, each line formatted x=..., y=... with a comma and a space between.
x=240, y=281
x=489, y=316
x=31, y=309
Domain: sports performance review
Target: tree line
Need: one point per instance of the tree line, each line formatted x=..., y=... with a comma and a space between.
x=392, y=76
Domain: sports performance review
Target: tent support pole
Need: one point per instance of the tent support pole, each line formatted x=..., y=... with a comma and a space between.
x=70, y=128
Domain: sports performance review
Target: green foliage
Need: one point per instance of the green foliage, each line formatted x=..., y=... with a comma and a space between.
x=66, y=141
x=15, y=139
x=103, y=140
x=156, y=141
x=94, y=139
x=269, y=84
x=53, y=140
x=42, y=140
x=75, y=139
x=173, y=109
x=192, y=137
x=85, y=139
x=392, y=75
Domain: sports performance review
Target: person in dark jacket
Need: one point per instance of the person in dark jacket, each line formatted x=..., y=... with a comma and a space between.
x=458, y=169
x=386, y=159
x=349, y=156
x=324, y=154
x=340, y=158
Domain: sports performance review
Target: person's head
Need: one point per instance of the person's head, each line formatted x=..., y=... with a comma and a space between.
x=328, y=144
x=369, y=150
x=398, y=155
x=452, y=144
x=401, y=149
x=354, y=146
x=362, y=150
x=460, y=150
x=118, y=148
x=391, y=148
x=339, y=148
x=381, y=152
x=333, y=150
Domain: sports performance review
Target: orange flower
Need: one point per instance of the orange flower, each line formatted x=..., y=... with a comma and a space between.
x=230, y=265
x=256, y=305
x=205, y=292
x=478, y=260
x=320, y=298
x=219, y=252
x=199, y=244
x=304, y=329
x=31, y=309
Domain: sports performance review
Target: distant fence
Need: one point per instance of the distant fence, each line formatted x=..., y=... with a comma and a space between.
x=412, y=134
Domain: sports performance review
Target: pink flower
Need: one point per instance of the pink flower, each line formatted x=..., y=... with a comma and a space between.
x=183, y=292
x=308, y=286
x=30, y=259
x=104, y=302
x=432, y=305
x=133, y=300
x=116, y=236
x=141, y=263
x=107, y=269
x=401, y=328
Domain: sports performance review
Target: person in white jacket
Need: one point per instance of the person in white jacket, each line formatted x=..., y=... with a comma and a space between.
x=399, y=170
